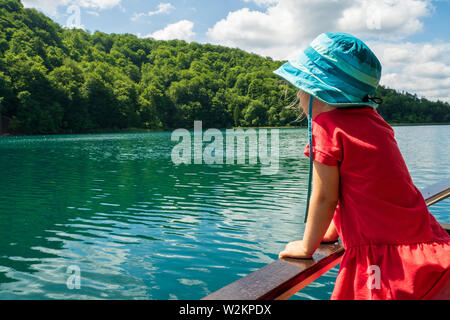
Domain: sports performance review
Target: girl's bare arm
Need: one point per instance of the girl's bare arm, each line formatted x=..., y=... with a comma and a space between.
x=324, y=198
x=331, y=235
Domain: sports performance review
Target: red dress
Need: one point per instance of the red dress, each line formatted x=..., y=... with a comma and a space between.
x=394, y=248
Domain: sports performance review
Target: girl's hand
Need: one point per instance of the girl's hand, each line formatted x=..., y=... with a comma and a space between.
x=295, y=249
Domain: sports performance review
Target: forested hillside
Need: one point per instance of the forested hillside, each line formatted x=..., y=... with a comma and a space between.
x=55, y=80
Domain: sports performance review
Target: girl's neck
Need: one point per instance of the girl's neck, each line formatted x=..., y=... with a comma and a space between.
x=320, y=107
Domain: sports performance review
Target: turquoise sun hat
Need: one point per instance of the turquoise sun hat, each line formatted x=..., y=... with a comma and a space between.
x=336, y=68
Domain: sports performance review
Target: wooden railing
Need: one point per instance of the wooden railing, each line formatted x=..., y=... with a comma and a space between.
x=283, y=278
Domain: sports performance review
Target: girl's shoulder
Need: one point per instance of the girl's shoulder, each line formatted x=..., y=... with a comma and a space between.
x=348, y=111
x=354, y=122
x=347, y=116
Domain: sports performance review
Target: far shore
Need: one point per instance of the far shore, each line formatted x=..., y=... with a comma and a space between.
x=143, y=130
x=418, y=124
x=391, y=124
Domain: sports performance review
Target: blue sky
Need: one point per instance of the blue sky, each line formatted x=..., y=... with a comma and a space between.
x=410, y=37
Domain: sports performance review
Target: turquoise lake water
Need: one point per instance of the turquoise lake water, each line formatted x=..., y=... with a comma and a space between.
x=136, y=226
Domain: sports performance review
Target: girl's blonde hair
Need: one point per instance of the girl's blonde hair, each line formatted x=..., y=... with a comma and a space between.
x=295, y=105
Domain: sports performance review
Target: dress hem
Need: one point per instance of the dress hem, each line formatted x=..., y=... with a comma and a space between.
x=446, y=241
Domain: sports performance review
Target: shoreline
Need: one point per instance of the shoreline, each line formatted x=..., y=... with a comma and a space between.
x=402, y=124
x=142, y=130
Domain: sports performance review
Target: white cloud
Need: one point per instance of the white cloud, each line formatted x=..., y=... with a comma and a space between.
x=50, y=7
x=287, y=24
x=386, y=18
x=280, y=28
x=262, y=2
x=421, y=68
x=97, y=4
x=94, y=13
x=181, y=30
x=137, y=16
x=162, y=8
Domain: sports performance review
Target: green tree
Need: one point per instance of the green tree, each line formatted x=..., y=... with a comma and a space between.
x=255, y=114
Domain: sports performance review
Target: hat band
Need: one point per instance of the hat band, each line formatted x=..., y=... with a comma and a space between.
x=312, y=84
x=330, y=74
x=333, y=72
x=311, y=156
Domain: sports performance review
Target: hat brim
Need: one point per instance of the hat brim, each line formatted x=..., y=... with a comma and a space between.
x=300, y=78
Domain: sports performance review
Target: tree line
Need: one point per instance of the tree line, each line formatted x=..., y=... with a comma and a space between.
x=58, y=80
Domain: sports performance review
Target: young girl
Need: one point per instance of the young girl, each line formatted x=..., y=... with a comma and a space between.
x=363, y=193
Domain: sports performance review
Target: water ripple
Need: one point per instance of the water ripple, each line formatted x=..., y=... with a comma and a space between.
x=138, y=227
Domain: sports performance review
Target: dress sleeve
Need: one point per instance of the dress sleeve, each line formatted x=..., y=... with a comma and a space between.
x=327, y=147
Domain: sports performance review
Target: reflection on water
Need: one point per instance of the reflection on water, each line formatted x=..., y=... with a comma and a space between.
x=139, y=227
